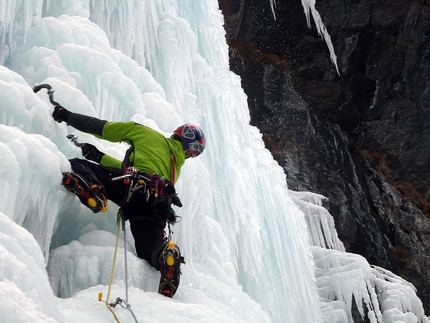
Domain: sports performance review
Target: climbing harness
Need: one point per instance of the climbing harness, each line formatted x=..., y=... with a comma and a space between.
x=151, y=185
x=119, y=301
x=135, y=182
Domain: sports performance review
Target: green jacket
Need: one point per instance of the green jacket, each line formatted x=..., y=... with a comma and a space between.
x=150, y=151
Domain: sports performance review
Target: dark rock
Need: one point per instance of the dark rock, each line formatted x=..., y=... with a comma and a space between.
x=360, y=137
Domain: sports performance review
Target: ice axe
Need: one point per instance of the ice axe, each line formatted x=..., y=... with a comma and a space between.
x=74, y=139
x=48, y=87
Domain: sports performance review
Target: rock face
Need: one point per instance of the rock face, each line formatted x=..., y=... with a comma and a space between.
x=360, y=137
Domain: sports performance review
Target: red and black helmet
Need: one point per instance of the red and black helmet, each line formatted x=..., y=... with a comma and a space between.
x=192, y=138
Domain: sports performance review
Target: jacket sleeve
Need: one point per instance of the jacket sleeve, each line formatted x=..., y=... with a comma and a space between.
x=86, y=124
x=120, y=131
x=110, y=161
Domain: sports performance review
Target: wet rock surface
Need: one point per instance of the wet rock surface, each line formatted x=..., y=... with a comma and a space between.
x=360, y=137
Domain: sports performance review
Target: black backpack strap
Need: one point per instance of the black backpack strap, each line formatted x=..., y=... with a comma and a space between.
x=126, y=163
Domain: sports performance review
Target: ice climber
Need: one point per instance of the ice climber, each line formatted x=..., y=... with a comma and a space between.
x=145, y=189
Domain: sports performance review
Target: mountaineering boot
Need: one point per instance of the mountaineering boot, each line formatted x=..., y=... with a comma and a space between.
x=170, y=268
x=89, y=194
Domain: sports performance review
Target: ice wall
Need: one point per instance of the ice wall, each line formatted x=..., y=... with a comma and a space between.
x=234, y=229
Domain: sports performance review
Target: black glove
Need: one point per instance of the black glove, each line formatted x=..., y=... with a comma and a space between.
x=60, y=114
x=90, y=152
x=173, y=197
x=166, y=197
x=164, y=189
x=176, y=201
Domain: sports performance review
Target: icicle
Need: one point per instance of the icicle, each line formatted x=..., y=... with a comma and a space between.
x=273, y=6
x=309, y=5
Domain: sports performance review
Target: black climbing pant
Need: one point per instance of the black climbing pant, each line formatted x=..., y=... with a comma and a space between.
x=147, y=229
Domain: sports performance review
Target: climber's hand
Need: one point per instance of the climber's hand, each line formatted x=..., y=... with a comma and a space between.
x=60, y=114
x=90, y=152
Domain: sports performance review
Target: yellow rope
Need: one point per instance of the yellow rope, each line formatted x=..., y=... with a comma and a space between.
x=113, y=265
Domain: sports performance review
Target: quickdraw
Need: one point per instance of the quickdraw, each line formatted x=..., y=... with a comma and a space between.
x=135, y=181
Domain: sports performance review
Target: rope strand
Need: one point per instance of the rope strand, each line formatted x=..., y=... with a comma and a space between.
x=113, y=267
x=128, y=306
x=118, y=300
